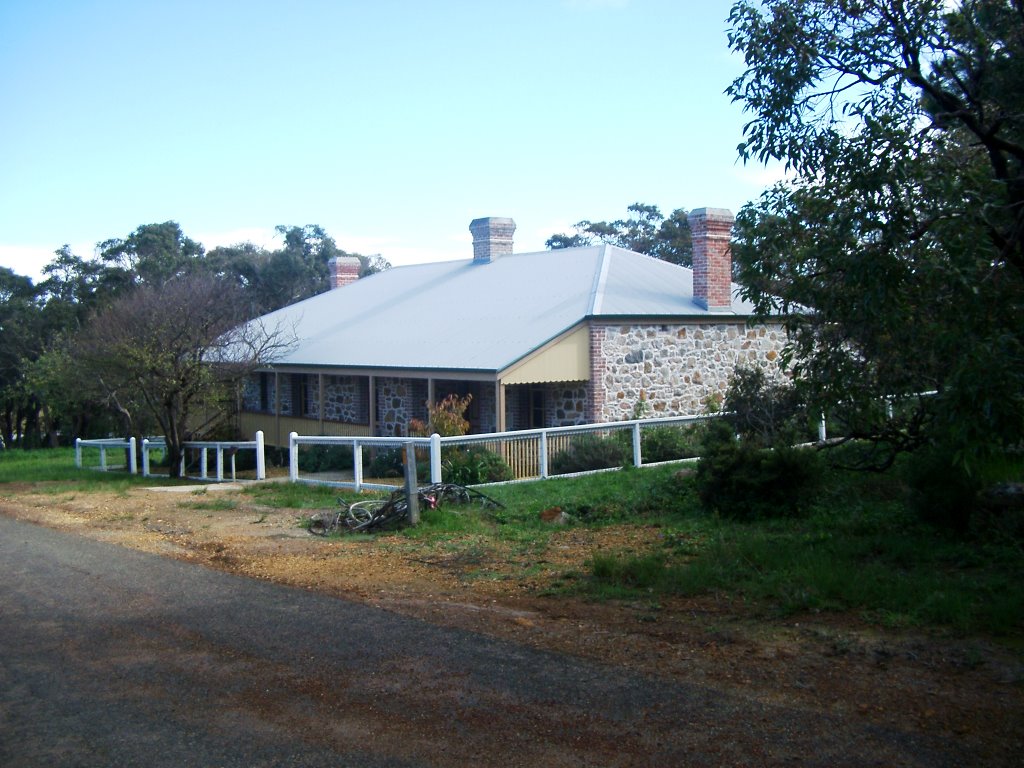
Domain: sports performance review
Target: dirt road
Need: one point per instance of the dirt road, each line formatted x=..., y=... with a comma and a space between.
x=958, y=696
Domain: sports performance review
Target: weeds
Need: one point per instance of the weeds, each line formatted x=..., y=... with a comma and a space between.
x=211, y=505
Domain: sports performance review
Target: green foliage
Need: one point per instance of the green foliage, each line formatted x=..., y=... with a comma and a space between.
x=590, y=452
x=387, y=462
x=162, y=353
x=669, y=443
x=895, y=254
x=762, y=412
x=473, y=465
x=740, y=480
x=646, y=230
x=446, y=418
x=944, y=494
x=325, y=458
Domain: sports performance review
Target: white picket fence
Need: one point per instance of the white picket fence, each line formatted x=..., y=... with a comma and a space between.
x=223, y=449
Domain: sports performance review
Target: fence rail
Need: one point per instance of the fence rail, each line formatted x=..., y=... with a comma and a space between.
x=221, y=448
x=104, y=445
x=530, y=454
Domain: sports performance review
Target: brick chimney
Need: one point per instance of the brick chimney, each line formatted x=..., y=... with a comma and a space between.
x=343, y=270
x=492, y=237
x=711, y=230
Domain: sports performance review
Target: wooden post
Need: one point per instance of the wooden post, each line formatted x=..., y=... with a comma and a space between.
x=277, y=408
x=320, y=401
x=411, y=485
x=371, y=401
x=499, y=406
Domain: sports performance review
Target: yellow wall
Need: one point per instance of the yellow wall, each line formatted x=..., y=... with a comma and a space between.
x=567, y=358
x=276, y=430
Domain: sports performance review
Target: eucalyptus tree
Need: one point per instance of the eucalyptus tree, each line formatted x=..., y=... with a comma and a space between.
x=895, y=250
x=644, y=230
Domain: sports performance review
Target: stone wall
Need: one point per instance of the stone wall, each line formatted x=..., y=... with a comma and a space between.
x=285, y=383
x=398, y=401
x=346, y=399
x=251, y=394
x=486, y=402
x=566, y=404
x=676, y=366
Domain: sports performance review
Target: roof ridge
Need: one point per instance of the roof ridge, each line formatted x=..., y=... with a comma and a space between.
x=600, y=280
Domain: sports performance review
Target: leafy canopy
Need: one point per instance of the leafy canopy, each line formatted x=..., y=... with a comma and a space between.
x=895, y=252
x=645, y=230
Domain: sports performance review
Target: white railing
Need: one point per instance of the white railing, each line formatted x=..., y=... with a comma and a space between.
x=104, y=445
x=151, y=444
x=203, y=448
x=354, y=477
x=529, y=453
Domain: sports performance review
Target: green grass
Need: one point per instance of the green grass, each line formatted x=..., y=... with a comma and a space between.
x=859, y=549
x=297, y=495
x=55, y=470
x=211, y=505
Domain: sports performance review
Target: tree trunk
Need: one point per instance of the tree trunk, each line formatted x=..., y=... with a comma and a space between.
x=174, y=454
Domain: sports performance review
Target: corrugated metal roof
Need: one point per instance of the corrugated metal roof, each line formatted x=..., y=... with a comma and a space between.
x=461, y=315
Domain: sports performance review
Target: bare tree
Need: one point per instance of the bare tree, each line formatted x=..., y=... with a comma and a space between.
x=163, y=354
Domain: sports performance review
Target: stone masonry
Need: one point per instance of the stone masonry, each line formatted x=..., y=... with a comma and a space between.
x=677, y=367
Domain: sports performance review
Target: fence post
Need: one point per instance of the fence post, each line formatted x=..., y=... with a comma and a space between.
x=103, y=458
x=202, y=462
x=543, y=454
x=145, y=457
x=220, y=463
x=261, y=457
x=637, y=458
x=78, y=452
x=435, y=458
x=293, y=457
x=412, y=495
x=357, y=466
x=133, y=463
x=822, y=434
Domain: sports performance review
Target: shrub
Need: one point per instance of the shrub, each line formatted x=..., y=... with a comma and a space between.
x=387, y=462
x=668, y=443
x=325, y=458
x=764, y=412
x=447, y=418
x=740, y=480
x=946, y=495
x=590, y=452
x=473, y=465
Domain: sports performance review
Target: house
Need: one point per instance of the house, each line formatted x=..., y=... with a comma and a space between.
x=554, y=338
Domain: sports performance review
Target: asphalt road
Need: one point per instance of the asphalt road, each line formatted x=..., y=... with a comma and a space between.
x=112, y=657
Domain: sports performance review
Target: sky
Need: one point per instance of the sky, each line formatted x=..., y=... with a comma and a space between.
x=389, y=123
